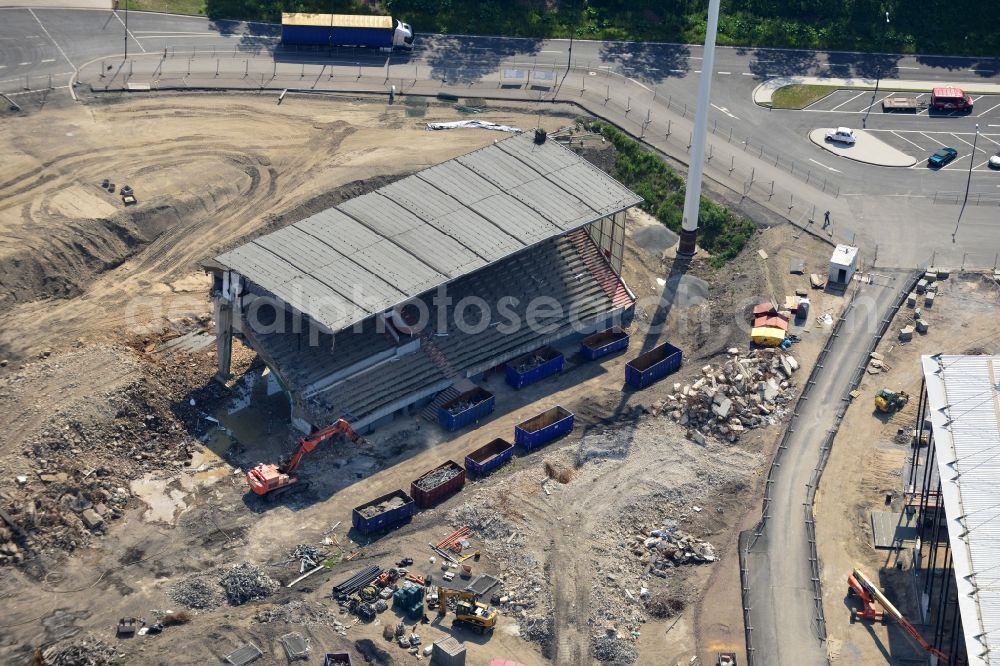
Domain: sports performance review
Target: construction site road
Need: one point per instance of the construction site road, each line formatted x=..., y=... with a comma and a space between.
x=782, y=605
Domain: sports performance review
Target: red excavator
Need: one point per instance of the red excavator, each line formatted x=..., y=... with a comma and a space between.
x=268, y=480
x=859, y=586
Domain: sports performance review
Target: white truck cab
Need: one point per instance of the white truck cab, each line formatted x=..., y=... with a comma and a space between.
x=403, y=36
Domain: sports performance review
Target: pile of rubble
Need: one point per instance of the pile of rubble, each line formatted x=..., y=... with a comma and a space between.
x=614, y=650
x=71, y=475
x=525, y=594
x=460, y=406
x=529, y=363
x=748, y=391
x=393, y=502
x=90, y=651
x=437, y=477
x=300, y=612
x=245, y=582
x=197, y=593
x=669, y=547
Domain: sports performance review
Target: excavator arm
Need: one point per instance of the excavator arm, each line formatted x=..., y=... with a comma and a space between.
x=309, y=444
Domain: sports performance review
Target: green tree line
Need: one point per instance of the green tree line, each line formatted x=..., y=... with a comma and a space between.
x=916, y=26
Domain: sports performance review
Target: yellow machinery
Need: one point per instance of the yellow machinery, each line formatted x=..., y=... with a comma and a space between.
x=478, y=616
x=887, y=401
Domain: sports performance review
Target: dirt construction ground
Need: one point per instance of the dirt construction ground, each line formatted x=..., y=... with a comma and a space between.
x=868, y=463
x=104, y=420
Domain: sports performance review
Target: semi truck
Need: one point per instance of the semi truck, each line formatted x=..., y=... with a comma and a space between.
x=381, y=32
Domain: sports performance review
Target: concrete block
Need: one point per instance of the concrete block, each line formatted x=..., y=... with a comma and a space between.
x=929, y=300
x=921, y=326
x=921, y=286
x=91, y=519
x=911, y=300
x=906, y=333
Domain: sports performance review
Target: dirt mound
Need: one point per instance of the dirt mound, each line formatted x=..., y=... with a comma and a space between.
x=60, y=263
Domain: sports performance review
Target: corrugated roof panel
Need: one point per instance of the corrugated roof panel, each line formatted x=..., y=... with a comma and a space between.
x=501, y=169
x=459, y=182
x=594, y=188
x=446, y=255
x=413, y=235
x=322, y=303
x=380, y=214
x=563, y=210
x=399, y=267
x=339, y=231
x=479, y=234
x=509, y=213
x=423, y=199
x=963, y=396
x=545, y=158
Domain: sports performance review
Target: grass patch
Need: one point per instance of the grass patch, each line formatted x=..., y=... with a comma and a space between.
x=191, y=7
x=799, y=96
x=720, y=232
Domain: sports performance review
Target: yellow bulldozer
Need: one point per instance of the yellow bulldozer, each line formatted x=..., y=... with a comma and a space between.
x=887, y=401
x=468, y=611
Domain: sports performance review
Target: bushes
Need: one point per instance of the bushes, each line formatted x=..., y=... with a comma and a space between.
x=719, y=231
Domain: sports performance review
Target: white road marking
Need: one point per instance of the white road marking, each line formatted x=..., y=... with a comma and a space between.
x=983, y=163
x=695, y=58
x=678, y=71
x=907, y=141
x=747, y=74
x=985, y=136
x=875, y=102
x=28, y=92
x=179, y=32
x=550, y=51
x=50, y=37
x=129, y=32
x=723, y=72
x=697, y=71
x=850, y=100
x=987, y=111
x=825, y=166
x=901, y=67
x=49, y=60
x=725, y=111
x=982, y=71
x=639, y=84
x=966, y=142
x=22, y=64
x=931, y=138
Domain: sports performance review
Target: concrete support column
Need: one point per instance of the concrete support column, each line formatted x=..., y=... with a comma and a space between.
x=223, y=338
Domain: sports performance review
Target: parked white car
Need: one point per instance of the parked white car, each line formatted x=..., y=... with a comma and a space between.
x=841, y=135
x=995, y=161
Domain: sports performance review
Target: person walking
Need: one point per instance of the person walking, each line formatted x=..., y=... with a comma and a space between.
x=826, y=219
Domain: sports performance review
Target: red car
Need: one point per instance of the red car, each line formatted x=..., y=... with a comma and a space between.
x=950, y=99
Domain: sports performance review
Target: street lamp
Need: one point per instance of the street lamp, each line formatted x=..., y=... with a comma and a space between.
x=968, y=182
x=878, y=75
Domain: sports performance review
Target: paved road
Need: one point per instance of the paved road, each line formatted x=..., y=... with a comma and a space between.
x=782, y=608
x=762, y=154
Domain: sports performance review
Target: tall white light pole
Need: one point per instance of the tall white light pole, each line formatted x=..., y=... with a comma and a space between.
x=692, y=196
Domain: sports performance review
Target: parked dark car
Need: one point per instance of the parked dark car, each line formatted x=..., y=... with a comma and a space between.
x=942, y=157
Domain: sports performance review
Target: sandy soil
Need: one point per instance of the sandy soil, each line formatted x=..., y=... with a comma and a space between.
x=89, y=286
x=867, y=461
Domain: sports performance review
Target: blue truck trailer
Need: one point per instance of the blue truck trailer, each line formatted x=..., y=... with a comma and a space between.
x=378, y=32
x=534, y=366
x=542, y=429
x=488, y=458
x=605, y=342
x=653, y=366
x=466, y=408
x=383, y=513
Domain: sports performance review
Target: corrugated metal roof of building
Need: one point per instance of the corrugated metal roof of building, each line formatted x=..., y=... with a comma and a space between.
x=380, y=249
x=964, y=405
x=336, y=20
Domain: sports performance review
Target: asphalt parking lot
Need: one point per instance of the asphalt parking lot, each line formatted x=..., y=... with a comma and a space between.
x=922, y=144
x=860, y=101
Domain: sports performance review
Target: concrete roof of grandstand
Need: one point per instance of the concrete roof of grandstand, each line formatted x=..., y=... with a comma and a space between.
x=963, y=401
x=371, y=253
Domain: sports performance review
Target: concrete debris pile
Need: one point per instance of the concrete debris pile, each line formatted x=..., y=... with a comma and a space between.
x=748, y=391
x=71, y=475
x=245, y=582
x=197, y=593
x=668, y=547
x=437, y=477
x=460, y=406
x=525, y=595
x=529, y=363
x=614, y=650
x=90, y=651
x=308, y=556
x=299, y=612
x=392, y=503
